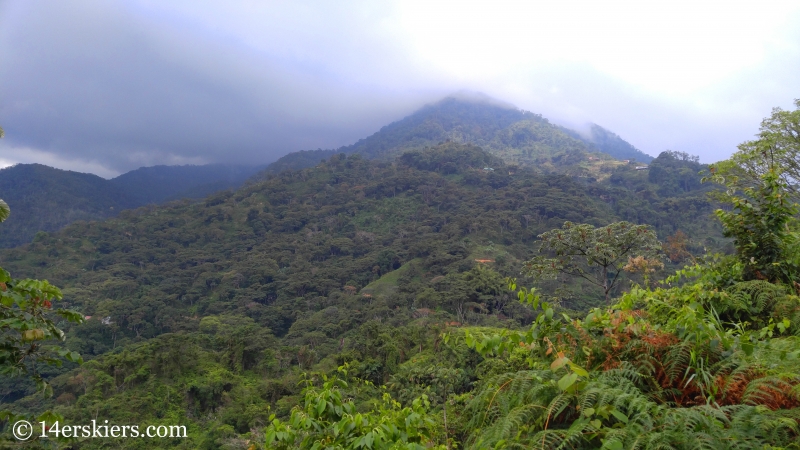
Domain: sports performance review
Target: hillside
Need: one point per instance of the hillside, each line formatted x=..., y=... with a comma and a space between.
x=518, y=137
x=608, y=142
x=44, y=198
x=47, y=199
x=158, y=184
x=213, y=308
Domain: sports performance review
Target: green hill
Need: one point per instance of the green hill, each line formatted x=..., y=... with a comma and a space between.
x=158, y=184
x=47, y=199
x=518, y=137
x=205, y=313
x=608, y=142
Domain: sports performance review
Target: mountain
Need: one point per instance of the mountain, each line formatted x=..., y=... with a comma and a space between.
x=206, y=313
x=608, y=142
x=158, y=184
x=518, y=137
x=46, y=199
x=299, y=160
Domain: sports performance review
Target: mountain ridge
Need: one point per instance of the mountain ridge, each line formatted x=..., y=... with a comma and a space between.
x=518, y=136
x=44, y=198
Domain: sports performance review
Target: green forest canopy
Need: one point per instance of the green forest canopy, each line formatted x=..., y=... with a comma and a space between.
x=361, y=278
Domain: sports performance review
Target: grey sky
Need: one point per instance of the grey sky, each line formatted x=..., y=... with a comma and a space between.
x=107, y=87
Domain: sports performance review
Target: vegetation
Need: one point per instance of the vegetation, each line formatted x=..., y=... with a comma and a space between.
x=372, y=304
x=26, y=326
x=47, y=199
x=158, y=184
x=607, y=142
x=597, y=255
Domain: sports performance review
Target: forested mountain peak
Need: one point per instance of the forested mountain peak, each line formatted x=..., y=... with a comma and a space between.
x=513, y=134
x=518, y=137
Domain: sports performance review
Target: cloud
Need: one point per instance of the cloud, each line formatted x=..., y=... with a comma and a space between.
x=109, y=87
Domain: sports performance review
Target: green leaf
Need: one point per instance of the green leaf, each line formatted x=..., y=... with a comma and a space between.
x=567, y=380
x=578, y=369
x=621, y=417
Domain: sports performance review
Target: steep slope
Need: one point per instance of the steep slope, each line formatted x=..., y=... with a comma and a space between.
x=610, y=143
x=205, y=312
x=299, y=160
x=518, y=137
x=44, y=198
x=157, y=184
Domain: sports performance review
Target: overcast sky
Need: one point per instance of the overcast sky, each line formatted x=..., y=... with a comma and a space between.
x=109, y=86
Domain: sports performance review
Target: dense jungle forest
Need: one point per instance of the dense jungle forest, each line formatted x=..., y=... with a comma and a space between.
x=439, y=284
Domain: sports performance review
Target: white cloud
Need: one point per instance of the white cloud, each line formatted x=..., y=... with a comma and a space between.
x=148, y=82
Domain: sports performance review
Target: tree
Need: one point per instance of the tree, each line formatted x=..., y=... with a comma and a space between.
x=328, y=420
x=26, y=324
x=777, y=148
x=761, y=181
x=597, y=255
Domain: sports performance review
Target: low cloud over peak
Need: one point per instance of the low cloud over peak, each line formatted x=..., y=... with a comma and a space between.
x=109, y=87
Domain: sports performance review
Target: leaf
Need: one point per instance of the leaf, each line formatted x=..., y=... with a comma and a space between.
x=621, y=417
x=567, y=380
x=559, y=363
x=578, y=369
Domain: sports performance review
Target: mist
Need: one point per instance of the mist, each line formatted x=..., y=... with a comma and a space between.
x=107, y=87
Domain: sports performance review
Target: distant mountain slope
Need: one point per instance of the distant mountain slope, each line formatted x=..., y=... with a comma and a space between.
x=517, y=136
x=299, y=160
x=161, y=183
x=44, y=198
x=610, y=143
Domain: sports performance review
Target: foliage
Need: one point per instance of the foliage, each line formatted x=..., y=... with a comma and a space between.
x=670, y=374
x=702, y=361
x=158, y=184
x=206, y=313
x=758, y=224
x=594, y=254
x=327, y=420
x=47, y=199
x=5, y=211
x=611, y=144
x=777, y=148
x=26, y=326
